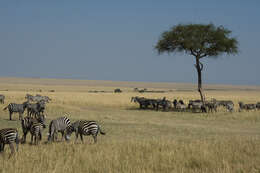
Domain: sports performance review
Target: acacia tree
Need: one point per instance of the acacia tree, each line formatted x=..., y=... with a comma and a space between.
x=199, y=41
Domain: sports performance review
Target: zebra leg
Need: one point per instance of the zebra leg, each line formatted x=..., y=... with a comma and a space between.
x=24, y=137
x=10, y=115
x=31, y=138
x=11, y=148
x=40, y=136
x=95, y=138
x=55, y=135
x=2, y=146
x=81, y=137
x=77, y=135
x=62, y=135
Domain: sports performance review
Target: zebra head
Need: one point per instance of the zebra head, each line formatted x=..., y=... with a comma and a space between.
x=25, y=104
x=68, y=131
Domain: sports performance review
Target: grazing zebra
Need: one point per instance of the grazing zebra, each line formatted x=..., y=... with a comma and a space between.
x=27, y=123
x=58, y=125
x=9, y=136
x=212, y=106
x=165, y=104
x=16, y=108
x=181, y=107
x=2, y=98
x=84, y=127
x=37, y=98
x=246, y=106
x=226, y=103
x=143, y=102
x=195, y=106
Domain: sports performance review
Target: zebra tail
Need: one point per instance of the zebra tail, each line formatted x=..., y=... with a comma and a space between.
x=101, y=132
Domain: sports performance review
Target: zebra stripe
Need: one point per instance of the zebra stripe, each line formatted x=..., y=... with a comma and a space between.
x=58, y=125
x=27, y=122
x=16, y=108
x=36, y=132
x=9, y=136
x=84, y=127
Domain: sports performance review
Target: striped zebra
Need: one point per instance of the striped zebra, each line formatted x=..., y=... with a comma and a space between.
x=28, y=121
x=16, y=108
x=84, y=127
x=36, y=132
x=58, y=125
x=35, y=108
x=9, y=136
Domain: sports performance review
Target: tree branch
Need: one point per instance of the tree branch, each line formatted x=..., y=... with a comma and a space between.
x=201, y=66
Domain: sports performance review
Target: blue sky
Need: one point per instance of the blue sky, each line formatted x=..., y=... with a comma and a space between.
x=114, y=40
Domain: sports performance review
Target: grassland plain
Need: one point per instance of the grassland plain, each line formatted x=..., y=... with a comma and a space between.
x=137, y=140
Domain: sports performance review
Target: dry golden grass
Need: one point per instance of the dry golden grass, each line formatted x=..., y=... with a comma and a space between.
x=137, y=140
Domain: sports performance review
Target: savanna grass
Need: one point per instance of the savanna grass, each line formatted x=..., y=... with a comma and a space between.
x=137, y=140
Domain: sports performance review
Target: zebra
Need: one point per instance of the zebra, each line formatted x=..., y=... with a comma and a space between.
x=84, y=127
x=226, y=103
x=195, y=106
x=37, y=98
x=246, y=106
x=143, y=102
x=180, y=106
x=212, y=106
x=27, y=123
x=35, y=108
x=9, y=136
x=16, y=108
x=58, y=125
x=166, y=104
x=36, y=132
x=175, y=103
x=2, y=98
x=29, y=97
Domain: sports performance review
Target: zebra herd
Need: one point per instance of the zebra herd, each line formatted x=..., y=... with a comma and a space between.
x=34, y=123
x=193, y=105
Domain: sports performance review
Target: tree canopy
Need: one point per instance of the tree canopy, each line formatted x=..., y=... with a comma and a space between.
x=198, y=40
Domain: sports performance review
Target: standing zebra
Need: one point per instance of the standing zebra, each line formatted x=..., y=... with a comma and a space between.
x=36, y=132
x=16, y=108
x=35, y=108
x=58, y=125
x=84, y=127
x=2, y=99
x=27, y=123
x=9, y=136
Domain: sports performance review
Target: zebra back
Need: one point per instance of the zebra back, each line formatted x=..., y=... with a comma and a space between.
x=9, y=135
x=88, y=127
x=58, y=125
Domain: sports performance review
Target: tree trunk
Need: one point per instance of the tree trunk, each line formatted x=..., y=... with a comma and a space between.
x=199, y=67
